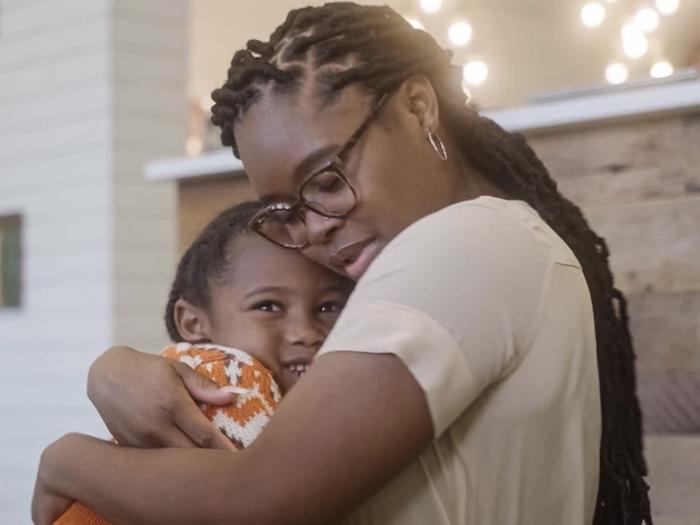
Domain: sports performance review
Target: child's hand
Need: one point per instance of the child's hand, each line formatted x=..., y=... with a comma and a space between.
x=147, y=401
x=47, y=504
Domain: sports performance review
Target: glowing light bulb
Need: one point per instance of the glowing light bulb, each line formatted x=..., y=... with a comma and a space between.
x=460, y=33
x=667, y=7
x=661, y=69
x=430, y=6
x=634, y=43
x=417, y=24
x=616, y=73
x=592, y=14
x=475, y=72
x=646, y=20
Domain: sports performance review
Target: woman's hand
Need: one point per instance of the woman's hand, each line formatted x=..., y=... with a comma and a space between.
x=147, y=401
x=47, y=504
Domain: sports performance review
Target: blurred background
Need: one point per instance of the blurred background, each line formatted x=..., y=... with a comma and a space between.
x=108, y=168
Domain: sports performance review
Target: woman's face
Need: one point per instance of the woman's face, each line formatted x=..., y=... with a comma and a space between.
x=395, y=172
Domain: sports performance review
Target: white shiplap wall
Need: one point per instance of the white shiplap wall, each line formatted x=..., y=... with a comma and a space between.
x=89, y=90
x=150, y=51
x=54, y=159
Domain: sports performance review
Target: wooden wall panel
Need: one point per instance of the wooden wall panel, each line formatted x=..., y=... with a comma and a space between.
x=654, y=244
x=668, y=142
x=666, y=329
x=638, y=184
x=200, y=200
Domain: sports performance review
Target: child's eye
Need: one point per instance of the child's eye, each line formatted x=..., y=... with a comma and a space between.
x=268, y=306
x=331, y=307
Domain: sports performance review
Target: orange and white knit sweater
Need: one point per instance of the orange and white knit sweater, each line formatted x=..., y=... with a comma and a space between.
x=242, y=421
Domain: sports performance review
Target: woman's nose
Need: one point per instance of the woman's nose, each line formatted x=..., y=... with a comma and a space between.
x=319, y=228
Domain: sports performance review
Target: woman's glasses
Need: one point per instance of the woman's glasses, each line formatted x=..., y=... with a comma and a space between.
x=326, y=191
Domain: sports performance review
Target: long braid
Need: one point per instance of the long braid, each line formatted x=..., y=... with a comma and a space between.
x=340, y=44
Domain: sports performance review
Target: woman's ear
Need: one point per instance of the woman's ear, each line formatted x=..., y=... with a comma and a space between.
x=419, y=98
x=192, y=322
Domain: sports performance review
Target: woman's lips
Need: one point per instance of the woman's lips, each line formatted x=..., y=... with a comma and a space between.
x=358, y=264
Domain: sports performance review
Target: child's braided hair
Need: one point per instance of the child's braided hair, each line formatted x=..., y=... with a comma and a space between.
x=330, y=47
x=208, y=258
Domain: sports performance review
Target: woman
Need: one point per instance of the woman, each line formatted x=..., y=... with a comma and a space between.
x=460, y=385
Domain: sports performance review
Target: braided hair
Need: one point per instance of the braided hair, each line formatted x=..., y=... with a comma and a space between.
x=208, y=259
x=330, y=47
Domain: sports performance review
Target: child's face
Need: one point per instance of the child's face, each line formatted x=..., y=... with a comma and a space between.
x=277, y=305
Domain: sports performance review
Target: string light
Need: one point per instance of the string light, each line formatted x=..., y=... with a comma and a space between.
x=475, y=73
x=430, y=6
x=460, y=33
x=616, y=73
x=634, y=43
x=667, y=7
x=661, y=69
x=646, y=20
x=592, y=14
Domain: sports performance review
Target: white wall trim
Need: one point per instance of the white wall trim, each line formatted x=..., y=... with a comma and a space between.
x=612, y=103
x=604, y=106
x=211, y=163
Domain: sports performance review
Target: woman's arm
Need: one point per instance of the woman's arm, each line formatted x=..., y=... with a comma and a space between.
x=349, y=425
x=146, y=401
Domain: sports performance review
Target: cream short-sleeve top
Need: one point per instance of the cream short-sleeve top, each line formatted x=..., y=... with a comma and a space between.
x=489, y=310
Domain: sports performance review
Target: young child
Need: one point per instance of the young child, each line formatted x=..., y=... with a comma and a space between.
x=249, y=315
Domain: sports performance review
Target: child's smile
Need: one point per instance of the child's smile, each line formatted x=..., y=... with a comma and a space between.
x=276, y=305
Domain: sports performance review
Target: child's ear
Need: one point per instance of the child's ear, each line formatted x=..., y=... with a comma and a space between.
x=192, y=323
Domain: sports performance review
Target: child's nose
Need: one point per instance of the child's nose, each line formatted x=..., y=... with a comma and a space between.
x=305, y=332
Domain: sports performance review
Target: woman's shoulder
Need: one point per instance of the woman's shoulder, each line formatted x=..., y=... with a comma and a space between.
x=485, y=225
x=475, y=214
x=462, y=248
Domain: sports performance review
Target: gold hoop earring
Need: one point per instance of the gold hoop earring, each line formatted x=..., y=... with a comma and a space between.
x=437, y=144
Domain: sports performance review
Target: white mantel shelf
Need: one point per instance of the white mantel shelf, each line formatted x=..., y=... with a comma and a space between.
x=612, y=103
x=211, y=163
x=603, y=104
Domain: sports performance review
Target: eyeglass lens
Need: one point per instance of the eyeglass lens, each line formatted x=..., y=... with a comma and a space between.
x=328, y=194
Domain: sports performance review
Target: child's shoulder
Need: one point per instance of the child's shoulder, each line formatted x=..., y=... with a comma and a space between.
x=226, y=366
x=198, y=354
x=258, y=391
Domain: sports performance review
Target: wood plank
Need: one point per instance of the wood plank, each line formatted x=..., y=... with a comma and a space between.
x=666, y=330
x=632, y=184
x=674, y=466
x=202, y=200
x=654, y=244
x=577, y=152
x=652, y=159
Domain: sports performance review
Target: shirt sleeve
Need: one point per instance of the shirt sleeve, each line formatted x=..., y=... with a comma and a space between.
x=456, y=296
